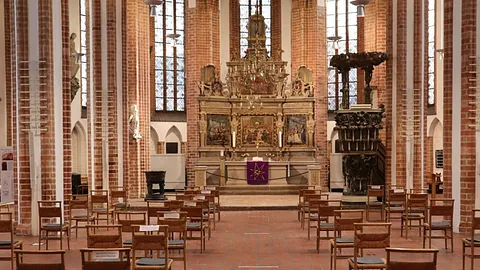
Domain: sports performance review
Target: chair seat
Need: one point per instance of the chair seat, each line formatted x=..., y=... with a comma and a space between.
x=193, y=225
x=344, y=240
x=396, y=209
x=83, y=217
x=413, y=215
x=326, y=225
x=439, y=224
x=376, y=203
x=102, y=209
x=176, y=242
x=467, y=242
x=54, y=226
x=127, y=242
x=7, y=243
x=368, y=260
x=152, y=262
x=418, y=209
x=120, y=204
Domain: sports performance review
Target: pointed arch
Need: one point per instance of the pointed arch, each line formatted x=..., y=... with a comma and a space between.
x=153, y=141
x=173, y=135
x=79, y=149
x=433, y=126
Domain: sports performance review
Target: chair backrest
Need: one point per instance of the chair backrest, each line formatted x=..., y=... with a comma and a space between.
x=397, y=196
x=344, y=220
x=23, y=263
x=195, y=212
x=372, y=235
x=175, y=224
x=328, y=210
x=315, y=196
x=441, y=207
x=303, y=192
x=50, y=209
x=99, y=196
x=153, y=208
x=417, y=202
x=129, y=218
x=104, y=236
x=418, y=191
x=155, y=239
x=118, y=193
x=184, y=197
x=105, y=259
x=411, y=262
x=6, y=222
x=376, y=191
x=174, y=204
x=80, y=203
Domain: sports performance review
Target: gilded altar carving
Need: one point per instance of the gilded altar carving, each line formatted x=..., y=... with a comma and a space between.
x=279, y=123
x=210, y=84
x=257, y=129
x=234, y=123
x=303, y=85
x=218, y=130
x=296, y=133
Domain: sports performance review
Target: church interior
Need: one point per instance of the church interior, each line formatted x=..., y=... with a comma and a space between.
x=238, y=134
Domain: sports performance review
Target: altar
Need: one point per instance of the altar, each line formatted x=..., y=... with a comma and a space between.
x=236, y=172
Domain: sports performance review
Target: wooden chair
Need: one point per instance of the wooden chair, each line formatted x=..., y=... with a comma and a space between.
x=301, y=200
x=370, y=236
x=305, y=209
x=325, y=224
x=373, y=193
x=119, y=198
x=52, y=210
x=128, y=219
x=312, y=210
x=174, y=205
x=196, y=223
x=344, y=221
x=177, y=229
x=215, y=207
x=206, y=213
x=196, y=188
x=472, y=242
x=416, y=210
x=104, y=236
x=153, y=208
x=91, y=259
x=150, y=241
x=41, y=263
x=410, y=263
x=80, y=204
x=101, y=205
x=439, y=208
x=209, y=207
x=395, y=204
x=6, y=227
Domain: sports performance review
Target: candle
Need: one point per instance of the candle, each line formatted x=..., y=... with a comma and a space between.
x=234, y=139
x=221, y=153
x=280, y=139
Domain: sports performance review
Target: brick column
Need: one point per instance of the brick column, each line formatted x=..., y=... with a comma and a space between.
x=309, y=49
x=202, y=46
x=41, y=87
x=234, y=28
x=276, y=26
x=360, y=48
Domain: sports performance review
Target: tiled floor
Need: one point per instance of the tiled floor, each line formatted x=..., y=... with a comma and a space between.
x=264, y=240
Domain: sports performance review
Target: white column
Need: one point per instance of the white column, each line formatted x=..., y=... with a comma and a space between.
x=91, y=100
x=393, y=164
x=286, y=24
x=119, y=90
x=410, y=92
x=3, y=90
x=58, y=97
x=104, y=96
x=34, y=88
x=224, y=37
x=477, y=133
x=422, y=101
x=456, y=109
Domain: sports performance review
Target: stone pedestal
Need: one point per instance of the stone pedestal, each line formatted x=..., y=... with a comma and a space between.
x=314, y=175
x=200, y=176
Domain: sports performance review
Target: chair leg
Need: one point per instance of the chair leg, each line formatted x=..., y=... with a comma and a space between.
x=39, y=239
x=451, y=237
x=68, y=238
x=446, y=239
x=424, y=236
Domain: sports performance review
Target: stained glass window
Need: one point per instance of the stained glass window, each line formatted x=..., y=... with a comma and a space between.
x=341, y=22
x=247, y=8
x=431, y=52
x=83, y=51
x=169, y=56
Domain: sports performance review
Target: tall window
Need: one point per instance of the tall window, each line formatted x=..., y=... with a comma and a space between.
x=341, y=22
x=169, y=57
x=83, y=50
x=431, y=52
x=247, y=8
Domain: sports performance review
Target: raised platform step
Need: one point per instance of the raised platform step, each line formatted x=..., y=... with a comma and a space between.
x=261, y=189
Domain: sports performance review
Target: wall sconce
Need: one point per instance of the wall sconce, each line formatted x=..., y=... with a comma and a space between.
x=441, y=52
x=360, y=6
x=174, y=37
x=335, y=40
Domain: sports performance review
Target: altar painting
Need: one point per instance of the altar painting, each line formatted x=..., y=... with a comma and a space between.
x=218, y=129
x=257, y=129
x=296, y=129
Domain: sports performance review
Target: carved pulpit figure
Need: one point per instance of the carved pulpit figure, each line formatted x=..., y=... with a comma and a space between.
x=134, y=121
x=74, y=67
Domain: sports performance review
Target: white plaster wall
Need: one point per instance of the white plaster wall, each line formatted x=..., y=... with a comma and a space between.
x=162, y=129
x=330, y=126
x=79, y=149
x=3, y=100
x=74, y=23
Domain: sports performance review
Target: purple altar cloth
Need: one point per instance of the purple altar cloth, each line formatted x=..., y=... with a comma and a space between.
x=257, y=172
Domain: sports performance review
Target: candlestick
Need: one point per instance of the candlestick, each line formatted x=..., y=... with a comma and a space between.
x=221, y=153
x=280, y=139
x=234, y=139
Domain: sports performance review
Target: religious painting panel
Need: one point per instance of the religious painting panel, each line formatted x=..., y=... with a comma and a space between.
x=296, y=129
x=218, y=129
x=257, y=129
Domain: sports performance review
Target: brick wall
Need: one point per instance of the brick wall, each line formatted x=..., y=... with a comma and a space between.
x=8, y=6
x=276, y=26
x=234, y=28
x=202, y=46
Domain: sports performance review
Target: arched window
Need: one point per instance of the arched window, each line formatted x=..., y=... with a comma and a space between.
x=169, y=56
x=83, y=51
x=247, y=8
x=431, y=52
x=342, y=23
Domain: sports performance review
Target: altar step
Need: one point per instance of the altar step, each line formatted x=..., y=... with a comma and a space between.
x=261, y=189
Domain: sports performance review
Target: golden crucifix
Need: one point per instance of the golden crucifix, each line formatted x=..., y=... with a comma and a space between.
x=257, y=143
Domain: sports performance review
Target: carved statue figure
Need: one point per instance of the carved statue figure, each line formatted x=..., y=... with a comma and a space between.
x=74, y=67
x=134, y=121
x=279, y=123
x=234, y=123
x=303, y=83
x=310, y=124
